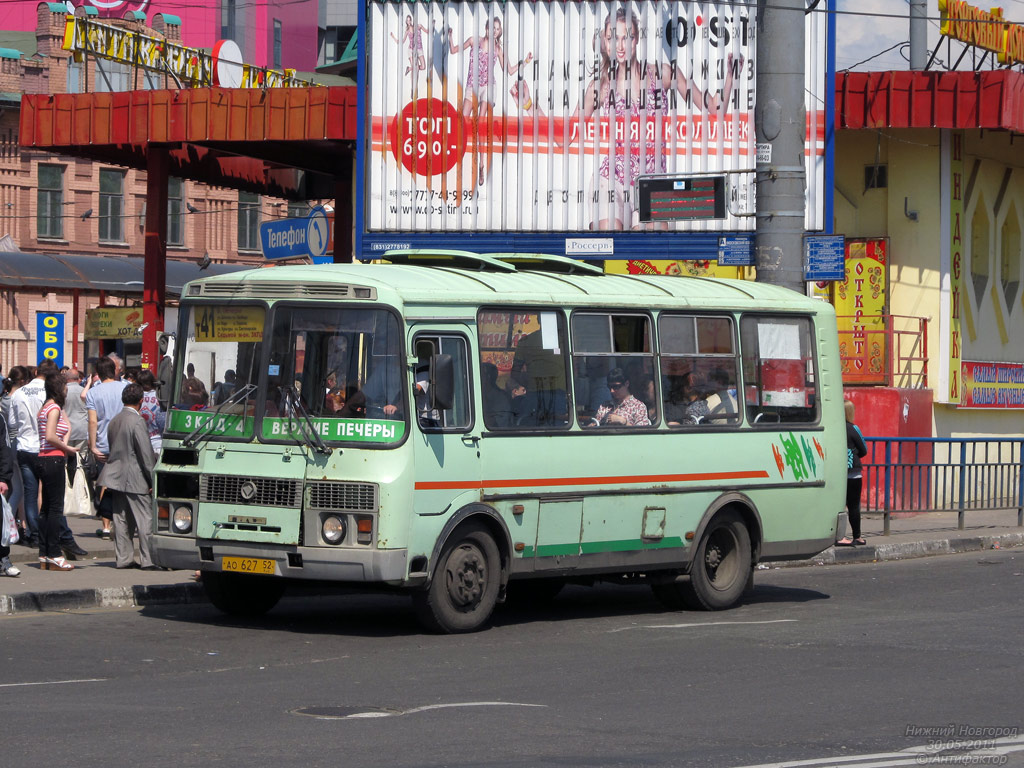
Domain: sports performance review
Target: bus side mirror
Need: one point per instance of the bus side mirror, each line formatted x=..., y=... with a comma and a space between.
x=442, y=382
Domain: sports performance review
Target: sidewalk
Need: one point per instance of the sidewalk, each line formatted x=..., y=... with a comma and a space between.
x=95, y=583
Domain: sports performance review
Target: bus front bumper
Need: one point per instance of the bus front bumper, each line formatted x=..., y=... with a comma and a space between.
x=319, y=563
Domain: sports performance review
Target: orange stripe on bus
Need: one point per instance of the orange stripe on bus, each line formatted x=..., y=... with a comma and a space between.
x=461, y=485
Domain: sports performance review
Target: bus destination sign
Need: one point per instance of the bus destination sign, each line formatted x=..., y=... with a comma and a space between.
x=681, y=198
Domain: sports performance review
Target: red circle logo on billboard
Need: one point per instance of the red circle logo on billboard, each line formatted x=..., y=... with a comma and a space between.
x=428, y=137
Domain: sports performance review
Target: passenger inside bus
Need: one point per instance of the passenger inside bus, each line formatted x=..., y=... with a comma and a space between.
x=685, y=403
x=624, y=409
x=497, y=404
x=383, y=387
x=542, y=372
x=646, y=394
x=722, y=404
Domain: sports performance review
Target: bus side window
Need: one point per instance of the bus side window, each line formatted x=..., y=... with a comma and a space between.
x=699, y=370
x=523, y=355
x=431, y=353
x=613, y=370
x=778, y=369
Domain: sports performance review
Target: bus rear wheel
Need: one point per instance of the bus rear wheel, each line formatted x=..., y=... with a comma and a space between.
x=721, y=565
x=462, y=595
x=720, y=571
x=242, y=595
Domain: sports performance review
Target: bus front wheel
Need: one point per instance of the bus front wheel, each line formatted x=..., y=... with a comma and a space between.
x=242, y=595
x=464, y=590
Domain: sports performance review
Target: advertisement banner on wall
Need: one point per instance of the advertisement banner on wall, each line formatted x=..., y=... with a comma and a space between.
x=860, y=302
x=542, y=117
x=50, y=337
x=991, y=385
x=113, y=323
x=674, y=267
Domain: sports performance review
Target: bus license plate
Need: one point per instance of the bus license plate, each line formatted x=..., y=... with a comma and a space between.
x=247, y=565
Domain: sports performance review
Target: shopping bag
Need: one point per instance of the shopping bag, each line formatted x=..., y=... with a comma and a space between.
x=76, y=496
x=9, y=529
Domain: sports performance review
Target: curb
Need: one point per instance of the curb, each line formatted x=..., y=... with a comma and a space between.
x=193, y=593
x=105, y=597
x=905, y=550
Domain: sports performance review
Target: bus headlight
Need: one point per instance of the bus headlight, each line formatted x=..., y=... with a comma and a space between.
x=333, y=529
x=182, y=519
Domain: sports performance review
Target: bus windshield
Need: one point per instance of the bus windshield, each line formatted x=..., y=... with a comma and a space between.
x=335, y=371
x=341, y=368
x=221, y=357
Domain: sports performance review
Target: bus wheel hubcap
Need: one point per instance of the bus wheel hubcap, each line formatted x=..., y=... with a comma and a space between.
x=467, y=575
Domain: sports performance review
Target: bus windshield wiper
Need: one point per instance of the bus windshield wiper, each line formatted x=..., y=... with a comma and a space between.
x=194, y=436
x=312, y=437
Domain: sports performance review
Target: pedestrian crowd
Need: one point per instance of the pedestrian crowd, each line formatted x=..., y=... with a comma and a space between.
x=86, y=441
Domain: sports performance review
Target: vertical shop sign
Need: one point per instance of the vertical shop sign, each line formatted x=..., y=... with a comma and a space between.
x=860, y=308
x=956, y=251
x=50, y=337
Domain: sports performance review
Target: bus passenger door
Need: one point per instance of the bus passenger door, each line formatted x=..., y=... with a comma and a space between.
x=447, y=439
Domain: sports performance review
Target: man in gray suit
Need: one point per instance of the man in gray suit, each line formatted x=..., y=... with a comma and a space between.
x=129, y=474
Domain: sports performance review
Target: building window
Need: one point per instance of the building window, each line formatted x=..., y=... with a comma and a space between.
x=981, y=248
x=298, y=209
x=111, y=206
x=227, y=19
x=152, y=81
x=876, y=177
x=175, y=211
x=248, y=221
x=75, y=78
x=50, y=201
x=277, y=44
x=112, y=76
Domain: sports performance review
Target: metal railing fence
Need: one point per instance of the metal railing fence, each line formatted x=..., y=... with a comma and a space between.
x=890, y=350
x=946, y=474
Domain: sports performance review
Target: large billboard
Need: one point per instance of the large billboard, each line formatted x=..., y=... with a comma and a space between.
x=540, y=117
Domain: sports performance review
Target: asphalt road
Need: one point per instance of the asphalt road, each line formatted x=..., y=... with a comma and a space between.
x=823, y=664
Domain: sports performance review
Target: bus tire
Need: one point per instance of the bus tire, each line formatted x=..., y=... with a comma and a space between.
x=242, y=595
x=462, y=595
x=721, y=565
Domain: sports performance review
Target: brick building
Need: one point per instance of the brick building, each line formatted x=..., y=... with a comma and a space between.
x=59, y=205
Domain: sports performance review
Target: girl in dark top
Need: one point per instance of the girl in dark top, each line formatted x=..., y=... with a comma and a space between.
x=855, y=450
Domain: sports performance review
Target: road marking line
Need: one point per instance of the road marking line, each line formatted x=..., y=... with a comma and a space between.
x=920, y=755
x=702, y=624
x=55, y=682
x=415, y=710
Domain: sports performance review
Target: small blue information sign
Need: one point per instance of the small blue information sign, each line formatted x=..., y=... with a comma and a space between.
x=284, y=238
x=736, y=251
x=291, y=238
x=824, y=257
x=50, y=337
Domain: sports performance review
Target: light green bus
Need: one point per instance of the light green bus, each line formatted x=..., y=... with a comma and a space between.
x=468, y=427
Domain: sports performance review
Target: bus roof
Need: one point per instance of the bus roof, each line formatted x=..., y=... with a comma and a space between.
x=409, y=283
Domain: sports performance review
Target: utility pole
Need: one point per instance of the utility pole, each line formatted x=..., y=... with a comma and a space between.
x=918, y=34
x=780, y=123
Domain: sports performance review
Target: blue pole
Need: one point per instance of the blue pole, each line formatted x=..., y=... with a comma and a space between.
x=888, y=487
x=962, y=485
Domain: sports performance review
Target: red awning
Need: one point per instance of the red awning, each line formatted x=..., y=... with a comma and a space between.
x=241, y=138
x=992, y=99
